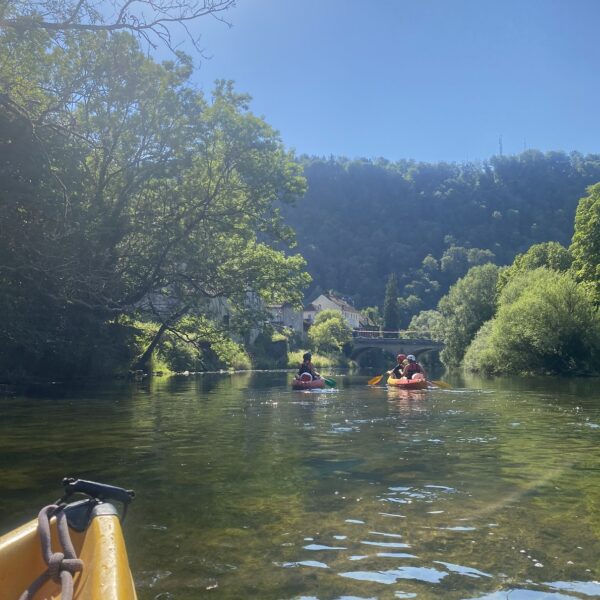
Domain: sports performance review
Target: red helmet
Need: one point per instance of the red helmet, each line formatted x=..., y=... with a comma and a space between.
x=400, y=357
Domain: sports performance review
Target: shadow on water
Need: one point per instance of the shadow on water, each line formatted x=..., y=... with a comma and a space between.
x=247, y=489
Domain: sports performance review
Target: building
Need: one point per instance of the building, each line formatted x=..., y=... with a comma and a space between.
x=330, y=302
x=285, y=315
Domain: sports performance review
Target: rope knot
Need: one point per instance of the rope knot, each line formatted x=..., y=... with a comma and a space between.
x=55, y=565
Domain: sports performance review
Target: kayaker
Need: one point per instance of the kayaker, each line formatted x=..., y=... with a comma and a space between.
x=412, y=367
x=307, y=367
x=396, y=372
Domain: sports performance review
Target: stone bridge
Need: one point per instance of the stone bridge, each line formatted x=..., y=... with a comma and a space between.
x=394, y=342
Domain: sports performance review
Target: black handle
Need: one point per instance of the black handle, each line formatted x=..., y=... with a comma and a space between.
x=101, y=491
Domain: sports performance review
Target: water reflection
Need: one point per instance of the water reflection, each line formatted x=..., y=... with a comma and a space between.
x=246, y=489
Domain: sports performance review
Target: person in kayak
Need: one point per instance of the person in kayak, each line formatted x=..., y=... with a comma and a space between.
x=412, y=368
x=396, y=372
x=307, y=368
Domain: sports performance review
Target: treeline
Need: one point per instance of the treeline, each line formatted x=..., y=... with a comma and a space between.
x=539, y=315
x=139, y=215
x=428, y=224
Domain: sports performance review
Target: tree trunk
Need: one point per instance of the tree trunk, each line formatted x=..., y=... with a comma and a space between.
x=142, y=362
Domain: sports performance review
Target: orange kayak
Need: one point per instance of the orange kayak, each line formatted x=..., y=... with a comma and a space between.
x=297, y=384
x=418, y=382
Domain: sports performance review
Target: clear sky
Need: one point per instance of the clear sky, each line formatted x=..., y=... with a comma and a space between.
x=425, y=79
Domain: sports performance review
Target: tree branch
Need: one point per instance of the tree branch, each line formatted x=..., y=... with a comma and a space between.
x=147, y=19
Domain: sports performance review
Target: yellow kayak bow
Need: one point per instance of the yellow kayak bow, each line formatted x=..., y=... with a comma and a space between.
x=105, y=574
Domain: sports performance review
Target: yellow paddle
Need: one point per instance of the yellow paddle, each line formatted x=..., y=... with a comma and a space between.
x=441, y=384
x=377, y=379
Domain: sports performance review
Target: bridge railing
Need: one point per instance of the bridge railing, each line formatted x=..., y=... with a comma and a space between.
x=395, y=334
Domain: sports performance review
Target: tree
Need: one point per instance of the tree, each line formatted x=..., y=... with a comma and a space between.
x=391, y=311
x=468, y=215
x=153, y=21
x=470, y=302
x=329, y=332
x=426, y=323
x=373, y=315
x=408, y=306
x=147, y=200
x=547, y=254
x=585, y=247
x=546, y=323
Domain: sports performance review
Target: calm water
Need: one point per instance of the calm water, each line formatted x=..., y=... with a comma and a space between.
x=246, y=489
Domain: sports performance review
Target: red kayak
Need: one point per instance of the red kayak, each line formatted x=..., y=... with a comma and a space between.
x=298, y=384
x=418, y=382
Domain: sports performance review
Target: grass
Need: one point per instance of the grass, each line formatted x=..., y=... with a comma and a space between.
x=320, y=361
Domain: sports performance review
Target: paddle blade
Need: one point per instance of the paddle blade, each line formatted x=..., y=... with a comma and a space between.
x=375, y=380
x=441, y=384
x=330, y=382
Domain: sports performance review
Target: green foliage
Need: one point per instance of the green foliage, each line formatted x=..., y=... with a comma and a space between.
x=329, y=332
x=427, y=322
x=125, y=193
x=546, y=323
x=153, y=22
x=270, y=350
x=373, y=314
x=481, y=356
x=391, y=310
x=422, y=215
x=231, y=354
x=585, y=247
x=321, y=361
x=470, y=302
x=179, y=355
x=548, y=254
x=409, y=306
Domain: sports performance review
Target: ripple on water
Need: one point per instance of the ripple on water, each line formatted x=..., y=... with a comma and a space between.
x=467, y=571
x=456, y=528
x=522, y=594
x=588, y=588
x=393, y=535
x=385, y=544
x=322, y=547
x=425, y=574
x=149, y=579
x=306, y=563
x=344, y=597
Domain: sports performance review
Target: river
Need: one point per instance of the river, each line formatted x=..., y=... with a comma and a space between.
x=246, y=489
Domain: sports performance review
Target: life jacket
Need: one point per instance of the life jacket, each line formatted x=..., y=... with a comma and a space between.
x=304, y=373
x=412, y=368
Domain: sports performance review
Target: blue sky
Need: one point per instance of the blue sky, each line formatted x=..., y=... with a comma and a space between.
x=425, y=79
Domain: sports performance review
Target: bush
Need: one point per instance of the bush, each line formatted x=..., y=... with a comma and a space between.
x=546, y=323
x=198, y=347
x=270, y=350
x=329, y=332
x=470, y=302
x=320, y=361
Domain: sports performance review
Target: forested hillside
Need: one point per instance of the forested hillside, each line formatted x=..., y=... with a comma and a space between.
x=429, y=223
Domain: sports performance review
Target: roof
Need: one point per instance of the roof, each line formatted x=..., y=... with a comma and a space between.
x=341, y=303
